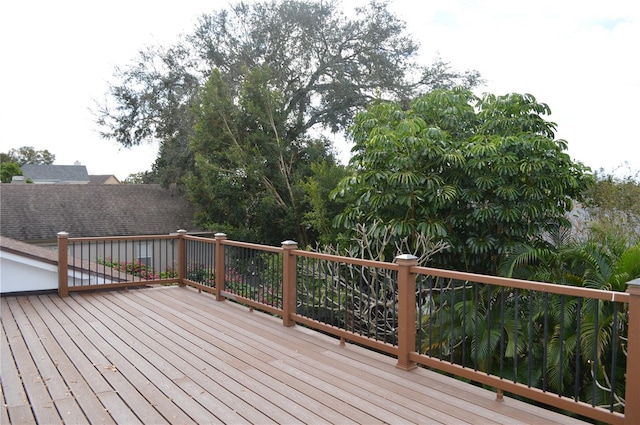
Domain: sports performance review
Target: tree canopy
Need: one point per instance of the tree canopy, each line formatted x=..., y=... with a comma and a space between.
x=247, y=175
x=11, y=161
x=481, y=173
x=29, y=155
x=8, y=170
x=238, y=106
x=325, y=65
x=612, y=206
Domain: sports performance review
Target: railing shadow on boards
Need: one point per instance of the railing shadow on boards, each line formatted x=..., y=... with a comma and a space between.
x=560, y=346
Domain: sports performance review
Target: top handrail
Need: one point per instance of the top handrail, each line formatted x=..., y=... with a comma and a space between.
x=599, y=294
x=348, y=260
x=122, y=238
x=249, y=245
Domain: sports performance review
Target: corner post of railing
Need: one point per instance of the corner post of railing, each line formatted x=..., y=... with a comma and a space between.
x=182, y=256
x=63, y=264
x=631, y=408
x=406, y=310
x=288, y=282
x=220, y=265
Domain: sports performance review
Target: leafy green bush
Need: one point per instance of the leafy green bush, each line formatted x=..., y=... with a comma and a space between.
x=135, y=268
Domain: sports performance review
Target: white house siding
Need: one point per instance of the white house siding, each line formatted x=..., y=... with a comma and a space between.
x=23, y=274
x=19, y=273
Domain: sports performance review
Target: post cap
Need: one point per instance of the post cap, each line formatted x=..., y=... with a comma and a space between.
x=63, y=234
x=635, y=283
x=406, y=257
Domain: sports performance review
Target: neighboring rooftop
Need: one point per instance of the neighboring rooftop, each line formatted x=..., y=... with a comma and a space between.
x=103, y=179
x=56, y=174
x=36, y=213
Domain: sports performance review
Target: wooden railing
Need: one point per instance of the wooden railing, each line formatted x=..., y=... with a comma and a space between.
x=559, y=345
x=493, y=331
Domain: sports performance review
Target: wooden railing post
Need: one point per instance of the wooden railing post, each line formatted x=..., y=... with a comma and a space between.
x=288, y=282
x=406, y=310
x=632, y=408
x=182, y=256
x=220, y=266
x=63, y=272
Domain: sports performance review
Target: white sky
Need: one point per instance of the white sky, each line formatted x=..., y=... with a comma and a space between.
x=582, y=58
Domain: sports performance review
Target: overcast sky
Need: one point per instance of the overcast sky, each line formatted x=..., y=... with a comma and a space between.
x=582, y=58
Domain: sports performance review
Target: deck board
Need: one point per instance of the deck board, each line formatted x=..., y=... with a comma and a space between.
x=4, y=413
x=173, y=355
x=15, y=402
x=135, y=392
x=68, y=379
x=42, y=404
x=206, y=370
x=163, y=362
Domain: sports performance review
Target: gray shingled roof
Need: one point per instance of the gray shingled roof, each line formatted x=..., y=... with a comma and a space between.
x=31, y=212
x=56, y=173
x=101, y=179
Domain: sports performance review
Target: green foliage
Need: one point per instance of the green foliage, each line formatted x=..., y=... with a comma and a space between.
x=201, y=274
x=440, y=75
x=11, y=161
x=28, y=155
x=8, y=170
x=135, y=268
x=354, y=297
x=612, y=207
x=322, y=210
x=604, y=261
x=599, y=263
x=144, y=177
x=542, y=340
x=247, y=178
x=312, y=50
x=479, y=173
x=323, y=66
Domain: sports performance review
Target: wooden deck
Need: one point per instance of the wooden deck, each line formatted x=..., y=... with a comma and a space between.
x=172, y=355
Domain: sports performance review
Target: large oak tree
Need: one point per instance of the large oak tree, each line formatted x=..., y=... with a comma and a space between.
x=325, y=64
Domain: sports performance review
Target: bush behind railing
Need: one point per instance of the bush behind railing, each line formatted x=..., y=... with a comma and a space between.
x=572, y=346
x=357, y=298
